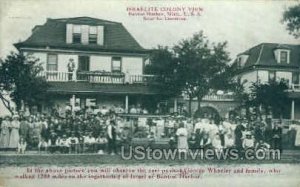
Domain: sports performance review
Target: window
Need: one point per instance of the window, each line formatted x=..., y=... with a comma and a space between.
x=272, y=75
x=76, y=34
x=52, y=62
x=283, y=57
x=295, y=78
x=92, y=35
x=76, y=38
x=116, y=64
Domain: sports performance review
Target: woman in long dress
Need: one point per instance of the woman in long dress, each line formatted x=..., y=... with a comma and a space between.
x=14, y=134
x=4, y=135
x=182, y=135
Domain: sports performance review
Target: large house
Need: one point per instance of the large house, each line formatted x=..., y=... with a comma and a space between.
x=90, y=61
x=98, y=62
x=269, y=61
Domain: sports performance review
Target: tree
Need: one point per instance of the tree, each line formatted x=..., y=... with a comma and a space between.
x=291, y=17
x=201, y=65
x=164, y=65
x=19, y=77
x=194, y=67
x=272, y=97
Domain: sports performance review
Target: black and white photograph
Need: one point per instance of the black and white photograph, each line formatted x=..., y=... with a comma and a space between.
x=150, y=92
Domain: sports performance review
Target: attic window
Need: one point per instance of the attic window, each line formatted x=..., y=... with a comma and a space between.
x=283, y=57
x=76, y=34
x=92, y=35
x=242, y=59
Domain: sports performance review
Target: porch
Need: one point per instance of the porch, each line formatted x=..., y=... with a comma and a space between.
x=97, y=77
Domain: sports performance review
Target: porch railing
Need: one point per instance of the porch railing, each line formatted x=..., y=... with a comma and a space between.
x=142, y=78
x=96, y=77
x=215, y=97
x=101, y=77
x=56, y=76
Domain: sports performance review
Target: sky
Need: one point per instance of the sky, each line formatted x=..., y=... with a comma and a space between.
x=243, y=24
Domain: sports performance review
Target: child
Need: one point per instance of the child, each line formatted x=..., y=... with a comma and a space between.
x=192, y=141
x=262, y=145
x=42, y=144
x=248, y=142
x=22, y=146
x=101, y=142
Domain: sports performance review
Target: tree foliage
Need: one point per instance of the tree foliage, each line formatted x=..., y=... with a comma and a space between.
x=291, y=18
x=19, y=77
x=194, y=66
x=202, y=65
x=272, y=97
x=163, y=64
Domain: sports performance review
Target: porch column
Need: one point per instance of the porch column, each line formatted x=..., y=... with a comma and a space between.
x=175, y=105
x=126, y=104
x=293, y=110
x=74, y=75
x=73, y=100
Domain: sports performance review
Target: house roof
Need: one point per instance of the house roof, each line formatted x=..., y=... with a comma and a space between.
x=90, y=88
x=53, y=34
x=263, y=55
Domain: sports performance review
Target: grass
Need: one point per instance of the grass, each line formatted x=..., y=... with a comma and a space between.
x=288, y=157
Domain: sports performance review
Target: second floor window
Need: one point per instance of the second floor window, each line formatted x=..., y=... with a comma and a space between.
x=52, y=62
x=283, y=57
x=116, y=64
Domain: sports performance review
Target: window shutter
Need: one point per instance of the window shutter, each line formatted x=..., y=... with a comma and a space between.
x=100, y=35
x=84, y=34
x=69, y=33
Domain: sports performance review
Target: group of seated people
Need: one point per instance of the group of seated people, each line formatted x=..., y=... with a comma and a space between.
x=73, y=144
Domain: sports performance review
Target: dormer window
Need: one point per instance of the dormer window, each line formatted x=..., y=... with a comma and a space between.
x=242, y=59
x=84, y=34
x=76, y=34
x=92, y=35
x=282, y=56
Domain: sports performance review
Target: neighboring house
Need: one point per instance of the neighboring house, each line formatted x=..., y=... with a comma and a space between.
x=271, y=61
x=90, y=60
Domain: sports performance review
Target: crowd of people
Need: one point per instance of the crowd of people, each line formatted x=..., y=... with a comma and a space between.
x=104, y=130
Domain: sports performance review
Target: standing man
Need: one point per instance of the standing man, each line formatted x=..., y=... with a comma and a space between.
x=276, y=137
x=111, y=133
x=238, y=134
x=71, y=69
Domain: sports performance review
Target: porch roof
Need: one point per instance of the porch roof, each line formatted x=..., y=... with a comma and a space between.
x=92, y=88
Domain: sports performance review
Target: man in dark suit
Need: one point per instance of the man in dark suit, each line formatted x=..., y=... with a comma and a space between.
x=276, y=137
x=111, y=137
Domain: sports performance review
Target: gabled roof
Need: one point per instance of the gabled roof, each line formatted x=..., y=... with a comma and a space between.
x=263, y=55
x=53, y=34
